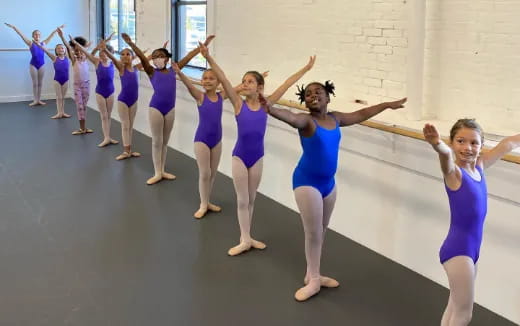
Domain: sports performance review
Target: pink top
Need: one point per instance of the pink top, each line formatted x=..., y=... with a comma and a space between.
x=81, y=71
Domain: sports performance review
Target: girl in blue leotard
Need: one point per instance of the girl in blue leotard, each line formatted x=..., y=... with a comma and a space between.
x=61, y=78
x=247, y=160
x=36, y=68
x=313, y=179
x=463, y=166
x=162, y=104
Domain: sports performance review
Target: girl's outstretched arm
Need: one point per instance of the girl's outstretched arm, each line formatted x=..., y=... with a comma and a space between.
x=350, y=118
x=449, y=170
x=295, y=120
x=144, y=61
x=98, y=48
x=49, y=38
x=194, y=91
x=92, y=58
x=66, y=44
x=49, y=54
x=230, y=91
x=278, y=93
x=27, y=41
x=505, y=146
x=184, y=61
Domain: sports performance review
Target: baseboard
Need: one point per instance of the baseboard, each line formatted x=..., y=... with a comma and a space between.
x=24, y=98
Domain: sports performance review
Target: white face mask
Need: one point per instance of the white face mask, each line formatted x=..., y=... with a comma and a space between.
x=159, y=63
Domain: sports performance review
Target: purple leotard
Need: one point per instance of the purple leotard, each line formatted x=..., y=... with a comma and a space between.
x=209, y=130
x=61, y=70
x=129, y=87
x=468, y=206
x=251, y=131
x=164, y=90
x=37, y=55
x=105, y=79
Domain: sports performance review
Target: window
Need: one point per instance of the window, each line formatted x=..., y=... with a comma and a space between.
x=119, y=17
x=188, y=28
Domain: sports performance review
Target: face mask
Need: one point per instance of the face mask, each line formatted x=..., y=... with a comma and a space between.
x=159, y=63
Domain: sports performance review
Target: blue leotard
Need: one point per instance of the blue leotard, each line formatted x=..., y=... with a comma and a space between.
x=37, y=55
x=319, y=160
x=468, y=206
x=61, y=70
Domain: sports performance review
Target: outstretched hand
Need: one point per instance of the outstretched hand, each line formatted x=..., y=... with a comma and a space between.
x=165, y=45
x=60, y=32
x=431, y=135
x=126, y=38
x=62, y=26
x=203, y=50
x=9, y=25
x=397, y=104
x=209, y=39
x=309, y=65
x=109, y=37
x=265, y=73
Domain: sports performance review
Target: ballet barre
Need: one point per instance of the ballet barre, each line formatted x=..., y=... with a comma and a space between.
x=12, y=50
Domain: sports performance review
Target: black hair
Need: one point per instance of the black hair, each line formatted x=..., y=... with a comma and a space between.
x=81, y=41
x=258, y=76
x=328, y=87
x=165, y=51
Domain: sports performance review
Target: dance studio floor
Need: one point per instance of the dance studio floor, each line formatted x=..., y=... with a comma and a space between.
x=84, y=241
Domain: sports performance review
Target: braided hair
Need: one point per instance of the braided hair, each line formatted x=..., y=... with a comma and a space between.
x=328, y=87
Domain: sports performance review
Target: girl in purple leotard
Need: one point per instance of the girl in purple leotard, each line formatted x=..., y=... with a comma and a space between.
x=36, y=68
x=462, y=166
x=247, y=160
x=61, y=78
x=162, y=105
x=104, y=87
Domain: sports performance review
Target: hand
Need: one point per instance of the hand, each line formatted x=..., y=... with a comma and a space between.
x=265, y=73
x=209, y=39
x=203, y=50
x=102, y=45
x=60, y=32
x=264, y=103
x=165, y=45
x=397, y=104
x=126, y=38
x=72, y=39
x=309, y=65
x=62, y=26
x=431, y=135
x=110, y=37
x=9, y=25
x=175, y=67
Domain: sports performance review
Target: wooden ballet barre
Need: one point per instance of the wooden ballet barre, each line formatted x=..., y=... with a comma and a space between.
x=13, y=50
x=512, y=158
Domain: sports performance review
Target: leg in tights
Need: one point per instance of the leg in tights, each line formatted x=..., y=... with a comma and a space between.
x=161, y=127
x=169, y=119
x=36, y=77
x=41, y=73
x=127, y=117
x=105, y=111
x=246, y=183
x=207, y=161
x=461, y=277
x=61, y=92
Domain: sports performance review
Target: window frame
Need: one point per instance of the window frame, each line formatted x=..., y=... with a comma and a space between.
x=102, y=23
x=176, y=30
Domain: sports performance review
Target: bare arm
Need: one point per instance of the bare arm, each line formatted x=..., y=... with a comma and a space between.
x=49, y=54
x=184, y=61
x=27, y=41
x=116, y=62
x=451, y=173
x=194, y=91
x=144, y=61
x=350, y=118
x=505, y=146
x=95, y=60
x=49, y=38
x=295, y=120
x=230, y=91
x=278, y=93
x=66, y=44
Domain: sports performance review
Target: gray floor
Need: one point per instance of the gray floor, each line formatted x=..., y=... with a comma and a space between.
x=83, y=241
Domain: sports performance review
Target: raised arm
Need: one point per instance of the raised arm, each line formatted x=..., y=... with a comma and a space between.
x=70, y=52
x=144, y=61
x=27, y=41
x=350, y=118
x=278, y=93
x=505, y=146
x=194, y=91
x=448, y=167
x=49, y=54
x=49, y=38
x=184, y=61
x=230, y=91
x=95, y=60
x=98, y=47
x=117, y=63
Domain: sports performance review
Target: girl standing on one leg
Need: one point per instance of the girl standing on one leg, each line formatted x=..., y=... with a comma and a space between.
x=463, y=166
x=81, y=81
x=247, y=159
x=104, y=87
x=313, y=179
x=61, y=78
x=162, y=113
x=36, y=68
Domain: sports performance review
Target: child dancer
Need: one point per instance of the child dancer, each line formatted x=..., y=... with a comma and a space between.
x=313, y=179
x=127, y=99
x=462, y=166
x=36, y=68
x=104, y=87
x=81, y=81
x=247, y=160
x=61, y=78
x=162, y=113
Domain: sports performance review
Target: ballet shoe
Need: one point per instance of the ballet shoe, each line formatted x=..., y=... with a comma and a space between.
x=136, y=154
x=65, y=115
x=123, y=156
x=41, y=103
x=113, y=141
x=308, y=290
x=33, y=103
x=154, y=180
x=240, y=248
x=200, y=213
x=104, y=143
x=79, y=132
x=214, y=208
x=326, y=282
x=168, y=176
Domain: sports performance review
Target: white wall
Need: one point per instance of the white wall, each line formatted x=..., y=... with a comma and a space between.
x=15, y=84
